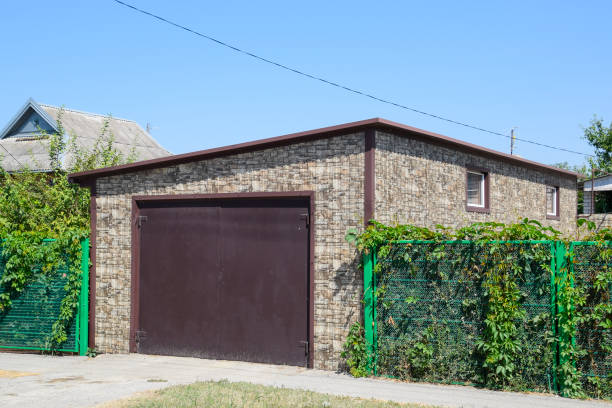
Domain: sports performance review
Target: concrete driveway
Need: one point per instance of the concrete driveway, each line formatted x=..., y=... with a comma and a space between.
x=43, y=381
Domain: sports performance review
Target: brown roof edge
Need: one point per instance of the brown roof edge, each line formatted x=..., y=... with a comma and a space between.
x=378, y=123
x=469, y=147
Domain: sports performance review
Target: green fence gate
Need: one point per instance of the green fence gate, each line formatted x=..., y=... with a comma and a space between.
x=426, y=304
x=27, y=324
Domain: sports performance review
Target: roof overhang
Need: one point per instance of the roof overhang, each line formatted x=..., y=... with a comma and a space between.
x=601, y=183
x=399, y=129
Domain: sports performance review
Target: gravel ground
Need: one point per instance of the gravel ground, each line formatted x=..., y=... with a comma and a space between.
x=28, y=380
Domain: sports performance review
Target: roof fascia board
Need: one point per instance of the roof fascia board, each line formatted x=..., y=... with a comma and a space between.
x=30, y=103
x=353, y=127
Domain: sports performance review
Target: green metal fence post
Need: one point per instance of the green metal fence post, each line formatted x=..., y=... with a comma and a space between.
x=561, y=273
x=374, y=316
x=369, y=309
x=83, y=311
x=554, y=271
x=569, y=280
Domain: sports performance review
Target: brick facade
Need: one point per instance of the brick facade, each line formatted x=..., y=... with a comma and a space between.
x=332, y=168
x=416, y=182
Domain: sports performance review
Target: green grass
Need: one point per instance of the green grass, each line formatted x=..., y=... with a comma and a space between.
x=224, y=394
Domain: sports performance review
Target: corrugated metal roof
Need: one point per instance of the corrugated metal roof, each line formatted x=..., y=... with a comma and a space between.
x=32, y=152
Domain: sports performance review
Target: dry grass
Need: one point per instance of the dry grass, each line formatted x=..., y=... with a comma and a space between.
x=14, y=374
x=224, y=394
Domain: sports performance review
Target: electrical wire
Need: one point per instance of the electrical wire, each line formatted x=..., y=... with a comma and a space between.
x=10, y=154
x=337, y=85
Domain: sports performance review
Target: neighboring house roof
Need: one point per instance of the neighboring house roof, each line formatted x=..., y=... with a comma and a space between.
x=22, y=145
x=375, y=123
x=601, y=183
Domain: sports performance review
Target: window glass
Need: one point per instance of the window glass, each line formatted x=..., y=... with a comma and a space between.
x=475, y=189
x=551, y=200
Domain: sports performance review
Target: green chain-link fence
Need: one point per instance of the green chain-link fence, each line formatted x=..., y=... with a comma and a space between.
x=28, y=323
x=425, y=306
x=595, y=364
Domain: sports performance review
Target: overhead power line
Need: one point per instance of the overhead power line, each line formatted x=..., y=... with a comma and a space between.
x=337, y=85
x=11, y=154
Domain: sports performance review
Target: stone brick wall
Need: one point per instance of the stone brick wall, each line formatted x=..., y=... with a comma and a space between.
x=416, y=182
x=424, y=184
x=333, y=168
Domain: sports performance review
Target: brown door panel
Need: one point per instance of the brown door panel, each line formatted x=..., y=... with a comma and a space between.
x=225, y=279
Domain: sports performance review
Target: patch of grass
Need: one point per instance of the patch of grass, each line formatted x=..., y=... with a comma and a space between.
x=224, y=394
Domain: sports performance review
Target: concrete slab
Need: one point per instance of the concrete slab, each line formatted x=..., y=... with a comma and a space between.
x=82, y=382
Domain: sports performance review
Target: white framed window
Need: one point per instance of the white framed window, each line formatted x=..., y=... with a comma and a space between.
x=476, y=187
x=552, y=201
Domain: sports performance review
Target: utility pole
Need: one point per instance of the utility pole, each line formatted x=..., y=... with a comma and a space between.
x=592, y=189
x=512, y=140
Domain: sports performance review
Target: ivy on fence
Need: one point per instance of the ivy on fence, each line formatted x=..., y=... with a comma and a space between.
x=495, y=305
x=34, y=207
x=37, y=205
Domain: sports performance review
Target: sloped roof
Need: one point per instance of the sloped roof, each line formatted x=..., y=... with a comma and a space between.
x=331, y=131
x=19, y=149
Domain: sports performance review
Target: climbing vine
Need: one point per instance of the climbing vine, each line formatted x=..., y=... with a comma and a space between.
x=44, y=217
x=584, y=315
x=493, y=281
x=354, y=351
x=42, y=222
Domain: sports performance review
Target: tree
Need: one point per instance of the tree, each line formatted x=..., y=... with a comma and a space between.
x=576, y=168
x=47, y=204
x=600, y=137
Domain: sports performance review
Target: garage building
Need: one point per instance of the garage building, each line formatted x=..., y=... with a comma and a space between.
x=239, y=253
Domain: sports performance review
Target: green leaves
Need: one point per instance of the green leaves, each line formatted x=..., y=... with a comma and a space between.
x=410, y=300
x=600, y=137
x=35, y=206
x=501, y=304
x=354, y=351
x=378, y=235
x=28, y=255
x=351, y=235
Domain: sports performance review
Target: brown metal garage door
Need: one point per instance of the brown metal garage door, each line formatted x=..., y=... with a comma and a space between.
x=224, y=279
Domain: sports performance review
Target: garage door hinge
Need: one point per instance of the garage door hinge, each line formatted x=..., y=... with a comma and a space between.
x=305, y=217
x=305, y=345
x=141, y=220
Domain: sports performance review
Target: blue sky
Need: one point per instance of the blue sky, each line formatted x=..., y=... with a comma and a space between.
x=544, y=66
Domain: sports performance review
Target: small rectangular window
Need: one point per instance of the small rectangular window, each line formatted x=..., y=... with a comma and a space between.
x=475, y=189
x=552, y=201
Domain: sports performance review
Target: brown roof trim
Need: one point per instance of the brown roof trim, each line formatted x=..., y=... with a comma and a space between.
x=442, y=140
x=376, y=123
